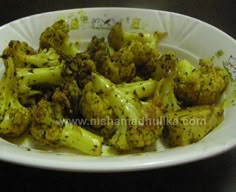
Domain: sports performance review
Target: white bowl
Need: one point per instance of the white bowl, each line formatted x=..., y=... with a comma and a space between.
x=189, y=37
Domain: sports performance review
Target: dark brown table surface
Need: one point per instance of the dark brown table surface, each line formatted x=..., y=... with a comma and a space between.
x=212, y=175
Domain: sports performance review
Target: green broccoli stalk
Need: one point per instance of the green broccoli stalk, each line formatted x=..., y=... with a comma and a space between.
x=57, y=37
x=117, y=37
x=132, y=127
x=14, y=118
x=200, y=86
x=50, y=128
x=25, y=56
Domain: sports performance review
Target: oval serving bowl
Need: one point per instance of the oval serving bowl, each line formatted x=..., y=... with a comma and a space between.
x=189, y=37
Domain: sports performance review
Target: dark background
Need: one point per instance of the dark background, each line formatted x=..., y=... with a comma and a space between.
x=213, y=174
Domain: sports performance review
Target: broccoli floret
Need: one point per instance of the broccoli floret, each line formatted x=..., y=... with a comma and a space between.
x=14, y=118
x=117, y=37
x=164, y=95
x=80, y=68
x=191, y=124
x=117, y=66
x=49, y=127
x=25, y=56
x=57, y=36
x=200, y=86
x=134, y=127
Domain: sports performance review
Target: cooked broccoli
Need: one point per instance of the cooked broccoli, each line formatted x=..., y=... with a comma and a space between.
x=79, y=68
x=14, y=118
x=57, y=36
x=49, y=127
x=200, y=86
x=25, y=56
x=134, y=127
x=117, y=37
x=191, y=124
x=164, y=95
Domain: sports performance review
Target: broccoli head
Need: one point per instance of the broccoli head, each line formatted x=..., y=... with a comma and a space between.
x=57, y=36
x=200, y=86
x=14, y=117
x=25, y=56
x=50, y=128
x=134, y=127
